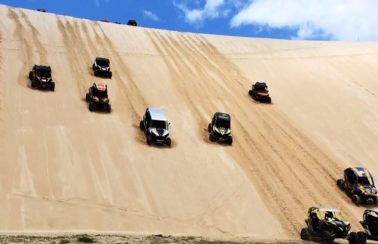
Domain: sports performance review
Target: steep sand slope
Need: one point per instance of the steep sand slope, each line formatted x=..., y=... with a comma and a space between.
x=64, y=168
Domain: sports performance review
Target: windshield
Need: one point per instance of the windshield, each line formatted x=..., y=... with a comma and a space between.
x=159, y=124
x=223, y=123
x=103, y=62
x=364, y=181
x=43, y=73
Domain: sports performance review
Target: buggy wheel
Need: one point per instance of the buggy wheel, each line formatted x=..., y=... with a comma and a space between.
x=353, y=238
x=110, y=75
x=91, y=107
x=326, y=237
x=168, y=142
x=356, y=199
x=212, y=138
x=304, y=234
x=361, y=237
x=95, y=73
x=33, y=83
x=230, y=141
x=141, y=125
x=109, y=108
x=250, y=92
x=209, y=128
x=52, y=86
x=87, y=97
x=149, y=140
x=340, y=183
x=30, y=75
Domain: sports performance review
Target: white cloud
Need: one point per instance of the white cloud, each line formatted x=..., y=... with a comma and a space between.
x=335, y=19
x=150, y=15
x=211, y=9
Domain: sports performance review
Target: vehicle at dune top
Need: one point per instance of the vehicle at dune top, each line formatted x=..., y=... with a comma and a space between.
x=155, y=126
x=220, y=128
x=40, y=77
x=370, y=224
x=97, y=97
x=104, y=20
x=101, y=67
x=358, y=183
x=260, y=92
x=132, y=22
x=325, y=225
x=41, y=10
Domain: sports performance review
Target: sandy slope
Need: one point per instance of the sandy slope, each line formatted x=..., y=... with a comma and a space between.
x=64, y=168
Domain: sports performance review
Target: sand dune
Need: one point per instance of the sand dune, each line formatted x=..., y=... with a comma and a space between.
x=64, y=168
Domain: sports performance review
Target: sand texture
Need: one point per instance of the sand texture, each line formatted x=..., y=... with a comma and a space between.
x=63, y=168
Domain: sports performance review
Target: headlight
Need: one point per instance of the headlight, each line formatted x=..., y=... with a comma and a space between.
x=96, y=99
x=216, y=129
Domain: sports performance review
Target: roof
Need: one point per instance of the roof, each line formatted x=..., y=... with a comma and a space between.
x=361, y=171
x=223, y=116
x=261, y=84
x=328, y=210
x=45, y=67
x=102, y=59
x=157, y=114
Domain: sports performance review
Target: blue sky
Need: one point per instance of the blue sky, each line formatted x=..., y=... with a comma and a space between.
x=294, y=19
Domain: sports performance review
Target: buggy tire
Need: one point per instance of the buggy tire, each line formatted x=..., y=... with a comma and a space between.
x=305, y=235
x=361, y=237
x=149, y=140
x=87, y=98
x=168, y=142
x=31, y=75
x=229, y=141
x=91, y=107
x=356, y=199
x=209, y=128
x=93, y=67
x=52, y=86
x=109, y=108
x=33, y=83
x=141, y=125
x=250, y=92
x=326, y=237
x=95, y=73
x=353, y=238
x=340, y=183
x=212, y=138
x=110, y=75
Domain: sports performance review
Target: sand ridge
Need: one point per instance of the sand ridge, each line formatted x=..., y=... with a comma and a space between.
x=64, y=168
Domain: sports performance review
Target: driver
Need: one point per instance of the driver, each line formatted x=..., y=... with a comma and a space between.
x=329, y=216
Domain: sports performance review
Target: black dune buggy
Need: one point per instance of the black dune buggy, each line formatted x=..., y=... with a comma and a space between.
x=97, y=97
x=260, y=92
x=132, y=22
x=101, y=67
x=324, y=226
x=358, y=183
x=220, y=128
x=40, y=77
x=370, y=225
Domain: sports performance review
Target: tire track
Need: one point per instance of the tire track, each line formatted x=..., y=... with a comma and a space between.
x=135, y=101
x=76, y=51
x=275, y=155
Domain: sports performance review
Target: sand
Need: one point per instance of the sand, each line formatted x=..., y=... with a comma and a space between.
x=65, y=169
